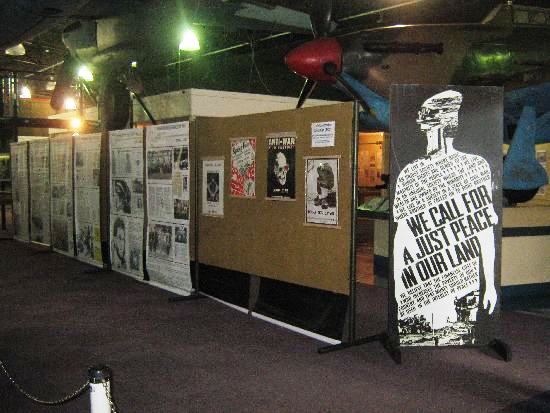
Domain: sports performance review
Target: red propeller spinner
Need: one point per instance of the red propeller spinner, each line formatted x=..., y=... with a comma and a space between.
x=309, y=59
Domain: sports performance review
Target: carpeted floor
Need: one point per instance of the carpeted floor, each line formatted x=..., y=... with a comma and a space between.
x=60, y=316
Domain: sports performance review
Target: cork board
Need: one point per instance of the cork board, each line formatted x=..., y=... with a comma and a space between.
x=269, y=238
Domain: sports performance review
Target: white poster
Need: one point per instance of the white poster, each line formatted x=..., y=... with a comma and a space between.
x=61, y=177
x=212, y=187
x=127, y=189
x=168, y=206
x=323, y=134
x=20, y=188
x=322, y=190
x=39, y=170
x=86, y=183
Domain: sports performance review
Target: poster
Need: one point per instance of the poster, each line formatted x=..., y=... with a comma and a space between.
x=445, y=189
x=20, y=190
x=61, y=182
x=168, y=206
x=243, y=168
x=212, y=187
x=322, y=190
x=86, y=183
x=323, y=134
x=39, y=170
x=127, y=202
x=281, y=166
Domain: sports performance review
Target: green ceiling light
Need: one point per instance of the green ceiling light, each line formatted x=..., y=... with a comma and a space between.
x=85, y=74
x=133, y=64
x=189, y=41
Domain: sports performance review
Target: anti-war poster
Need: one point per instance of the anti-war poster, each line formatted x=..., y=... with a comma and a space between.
x=127, y=203
x=168, y=206
x=20, y=188
x=39, y=170
x=86, y=183
x=446, y=171
x=281, y=166
x=61, y=181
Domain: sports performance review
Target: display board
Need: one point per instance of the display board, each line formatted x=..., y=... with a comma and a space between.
x=39, y=177
x=168, y=206
x=20, y=188
x=127, y=201
x=61, y=187
x=261, y=235
x=446, y=172
x=86, y=197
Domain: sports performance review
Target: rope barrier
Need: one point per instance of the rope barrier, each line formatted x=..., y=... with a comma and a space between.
x=57, y=402
x=98, y=383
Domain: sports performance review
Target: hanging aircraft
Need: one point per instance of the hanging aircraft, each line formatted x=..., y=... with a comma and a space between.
x=510, y=48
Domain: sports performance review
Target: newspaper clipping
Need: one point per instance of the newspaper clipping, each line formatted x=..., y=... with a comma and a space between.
x=243, y=168
x=212, y=187
x=61, y=176
x=86, y=176
x=126, y=224
x=322, y=190
x=20, y=190
x=39, y=161
x=281, y=166
x=168, y=206
x=444, y=217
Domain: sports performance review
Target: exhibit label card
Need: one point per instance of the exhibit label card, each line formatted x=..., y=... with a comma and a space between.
x=87, y=151
x=61, y=180
x=168, y=206
x=212, y=187
x=322, y=190
x=20, y=188
x=243, y=168
x=127, y=189
x=39, y=167
x=446, y=169
x=281, y=166
x=323, y=134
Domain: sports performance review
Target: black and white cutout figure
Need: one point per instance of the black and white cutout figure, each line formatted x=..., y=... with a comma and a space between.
x=444, y=246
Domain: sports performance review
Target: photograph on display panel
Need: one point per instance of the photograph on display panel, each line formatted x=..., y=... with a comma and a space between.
x=212, y=187
x=281, y=166
x=243, y=168
x=20, y=190
x=39, y=169
x=321, y=200
x=446, y=172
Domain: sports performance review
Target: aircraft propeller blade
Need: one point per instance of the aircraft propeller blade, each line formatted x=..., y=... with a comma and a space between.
x=321, y=17
x=308, y=87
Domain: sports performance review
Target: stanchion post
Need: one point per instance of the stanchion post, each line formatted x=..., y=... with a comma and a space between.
x=100, y=389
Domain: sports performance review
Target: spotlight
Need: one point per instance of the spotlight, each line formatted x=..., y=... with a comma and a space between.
x=18, y=50
x=70, y=103
x=85, y=74
x=76, y=123
x=25, y=93
x=190, y=41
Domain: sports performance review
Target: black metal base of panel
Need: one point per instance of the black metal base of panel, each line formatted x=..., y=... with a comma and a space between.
x=383, y=338
x=321, y=312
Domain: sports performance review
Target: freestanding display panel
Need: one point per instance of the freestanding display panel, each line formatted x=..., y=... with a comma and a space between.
x=20, y=187
x=61, y=181
x=39, y=173
x=86, y=197
x=446, y=169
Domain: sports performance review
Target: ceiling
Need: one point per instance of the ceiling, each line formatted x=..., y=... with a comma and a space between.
x=256, y=65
